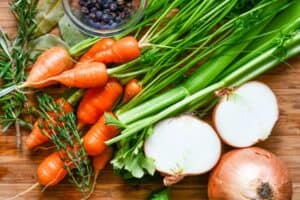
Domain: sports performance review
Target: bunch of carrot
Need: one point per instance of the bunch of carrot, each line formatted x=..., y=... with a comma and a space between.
x=57, y=124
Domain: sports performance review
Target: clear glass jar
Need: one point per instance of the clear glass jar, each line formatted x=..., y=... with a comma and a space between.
x=72, y=9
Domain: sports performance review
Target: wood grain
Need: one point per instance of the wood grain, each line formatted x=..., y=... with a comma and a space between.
x=17, y=168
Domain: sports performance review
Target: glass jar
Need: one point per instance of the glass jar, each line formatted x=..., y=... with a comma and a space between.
x=72, y=9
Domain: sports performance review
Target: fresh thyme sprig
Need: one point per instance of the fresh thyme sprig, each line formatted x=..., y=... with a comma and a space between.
x=14, y=58
x=61, y=128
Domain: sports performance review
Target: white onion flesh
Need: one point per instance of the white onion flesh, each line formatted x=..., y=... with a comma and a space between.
x=182, y=146
x=247, y=115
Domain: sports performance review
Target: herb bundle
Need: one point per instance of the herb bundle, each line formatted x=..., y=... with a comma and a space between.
x=14, y=58
x=64, y=134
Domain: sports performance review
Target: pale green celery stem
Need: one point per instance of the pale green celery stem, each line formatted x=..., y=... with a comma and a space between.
x=201, y=77
x=282, y=24
x=267, y=60
x=156, y=104
x=155, y=26
x=161, y=32
x=260, y=65
x=197, y=81
x=209, y=25
x=139, y=125
x=210, y=69
x=150, y=87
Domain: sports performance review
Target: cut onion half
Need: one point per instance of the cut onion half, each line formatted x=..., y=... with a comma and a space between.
x=247, y=115
x=183, y=146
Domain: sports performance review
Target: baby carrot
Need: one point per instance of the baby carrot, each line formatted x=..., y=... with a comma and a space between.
x=94, y=140
x=101, y=45
x=50, y=63
x=84, y=75
x=123, y=50
x=132, y=88
x=50, y=172
x=37, y=137
x=96, y=101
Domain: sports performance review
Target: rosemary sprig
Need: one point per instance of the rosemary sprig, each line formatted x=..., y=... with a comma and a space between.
x=65, y=136
x=14, y=58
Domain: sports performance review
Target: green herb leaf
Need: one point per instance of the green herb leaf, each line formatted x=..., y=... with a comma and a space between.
x=49, y=13
x=130, y=158
x=110, y=120
x=43, y=43
x=160, y=195
x=70, y=34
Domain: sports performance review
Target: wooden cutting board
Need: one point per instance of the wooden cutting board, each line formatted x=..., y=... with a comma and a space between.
x=17, y=167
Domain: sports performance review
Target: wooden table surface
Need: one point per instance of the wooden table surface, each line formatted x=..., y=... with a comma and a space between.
x=17, y=167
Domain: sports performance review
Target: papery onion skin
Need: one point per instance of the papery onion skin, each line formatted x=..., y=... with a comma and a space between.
x=250, y=173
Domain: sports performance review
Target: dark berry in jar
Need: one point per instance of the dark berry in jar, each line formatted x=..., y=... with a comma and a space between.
x=122, y=15
x=84, y=10
x=106, y=17
x=105, y=5
x=129, y=4
x=106, y=14
x=82, y=2
x=99, y=15
x=113, y=14
x=106, y=11
x=118, y=19
x=127, y=11
x=120, y=2
x=94, y=9
x=92, y=15
x=113, y=6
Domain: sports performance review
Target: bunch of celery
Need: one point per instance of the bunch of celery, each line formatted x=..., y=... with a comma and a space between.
x=257, y=40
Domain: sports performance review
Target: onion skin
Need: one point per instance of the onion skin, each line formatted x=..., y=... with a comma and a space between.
x=250, y=173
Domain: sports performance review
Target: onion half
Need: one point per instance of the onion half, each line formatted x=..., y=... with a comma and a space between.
x=183, y=146
x=247, y=115
x=251, y=173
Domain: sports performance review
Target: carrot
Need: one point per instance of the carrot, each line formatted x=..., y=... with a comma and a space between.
x=96, y=101
x=84, y=75
x=101, y=45
x=123, y=50
x=132, y=88
x=94, y=140
x=50, y=63
x=99, y=162
x=50, y=172
x=37, y=137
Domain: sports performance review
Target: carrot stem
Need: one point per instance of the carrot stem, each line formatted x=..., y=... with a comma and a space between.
x=75, y=97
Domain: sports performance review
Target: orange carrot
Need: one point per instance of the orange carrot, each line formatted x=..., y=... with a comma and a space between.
x=50, y=172
x=96, y=101
x=94, y=140
x=84, y=75
x=99, y=162
x=123, y=50
x=50, y=63
x=101, y=45
x=132, y=88
x=37, y=137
